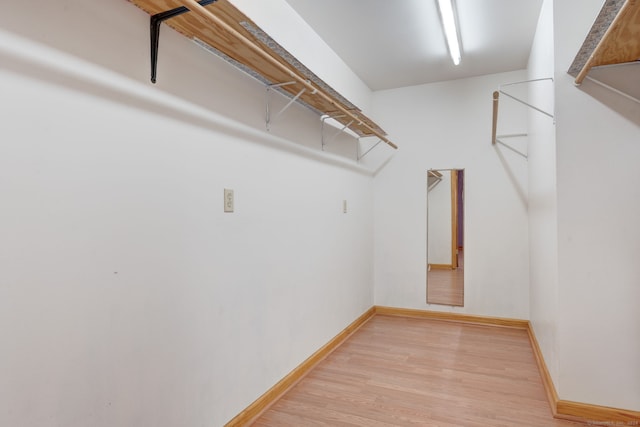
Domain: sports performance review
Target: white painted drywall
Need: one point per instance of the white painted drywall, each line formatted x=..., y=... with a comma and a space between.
x=543, y=227
x=598, y=148
x=439, y=221
x=448, y=125
x=127, y=296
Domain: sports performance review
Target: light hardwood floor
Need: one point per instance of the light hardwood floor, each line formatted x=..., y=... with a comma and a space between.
x=446, y=286
x=398, y=371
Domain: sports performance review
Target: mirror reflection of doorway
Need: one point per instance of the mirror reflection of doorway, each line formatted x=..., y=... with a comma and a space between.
x=445, y=237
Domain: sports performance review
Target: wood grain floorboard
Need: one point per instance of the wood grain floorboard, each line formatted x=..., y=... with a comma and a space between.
x=446, y=286
x=397, y=371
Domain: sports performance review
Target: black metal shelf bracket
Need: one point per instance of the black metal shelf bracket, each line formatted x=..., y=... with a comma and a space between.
x=155, y=22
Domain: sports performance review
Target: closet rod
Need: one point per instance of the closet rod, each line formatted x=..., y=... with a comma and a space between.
x=209, y=16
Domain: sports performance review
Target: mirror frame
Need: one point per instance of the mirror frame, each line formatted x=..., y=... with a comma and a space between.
x=456, y=268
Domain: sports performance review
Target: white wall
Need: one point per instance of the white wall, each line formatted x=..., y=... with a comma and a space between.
x=448, y=125
x=543, y=211
x=127, y=296
x=598, y=232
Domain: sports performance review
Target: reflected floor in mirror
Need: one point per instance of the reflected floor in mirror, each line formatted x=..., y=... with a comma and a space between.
x=446, y=286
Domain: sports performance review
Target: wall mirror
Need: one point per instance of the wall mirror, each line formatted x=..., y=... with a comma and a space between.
x=445, y=236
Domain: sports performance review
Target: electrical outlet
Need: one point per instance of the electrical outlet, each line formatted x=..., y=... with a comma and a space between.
x=228, y=200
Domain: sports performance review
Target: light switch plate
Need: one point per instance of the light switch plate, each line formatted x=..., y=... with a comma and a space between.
x=228, y=200
x=344, y=206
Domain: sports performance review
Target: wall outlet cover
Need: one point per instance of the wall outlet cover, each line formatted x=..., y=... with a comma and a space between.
x=228, y=200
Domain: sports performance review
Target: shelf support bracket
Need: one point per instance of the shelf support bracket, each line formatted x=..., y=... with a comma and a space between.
x=268, y=118
x=335, y=135
x=526, y=103
x=154, y=26
x=513, y=135
x=361, y=156
x=496, y=99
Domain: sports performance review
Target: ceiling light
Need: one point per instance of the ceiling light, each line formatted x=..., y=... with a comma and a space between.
x=450, y=29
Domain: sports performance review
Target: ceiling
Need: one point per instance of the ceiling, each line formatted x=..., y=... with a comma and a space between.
x=391, y=44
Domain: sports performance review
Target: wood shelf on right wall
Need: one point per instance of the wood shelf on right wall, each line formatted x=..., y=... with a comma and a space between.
x=614, y=38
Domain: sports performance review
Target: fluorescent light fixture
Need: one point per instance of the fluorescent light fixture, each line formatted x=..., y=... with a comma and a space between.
x=450, y=29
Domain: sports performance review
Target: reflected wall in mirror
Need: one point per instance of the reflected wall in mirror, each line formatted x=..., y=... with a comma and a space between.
x=445, y=236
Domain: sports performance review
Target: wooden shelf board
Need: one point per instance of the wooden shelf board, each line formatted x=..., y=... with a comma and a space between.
x=194, y=26
x=622, y=42
x=613, y=39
